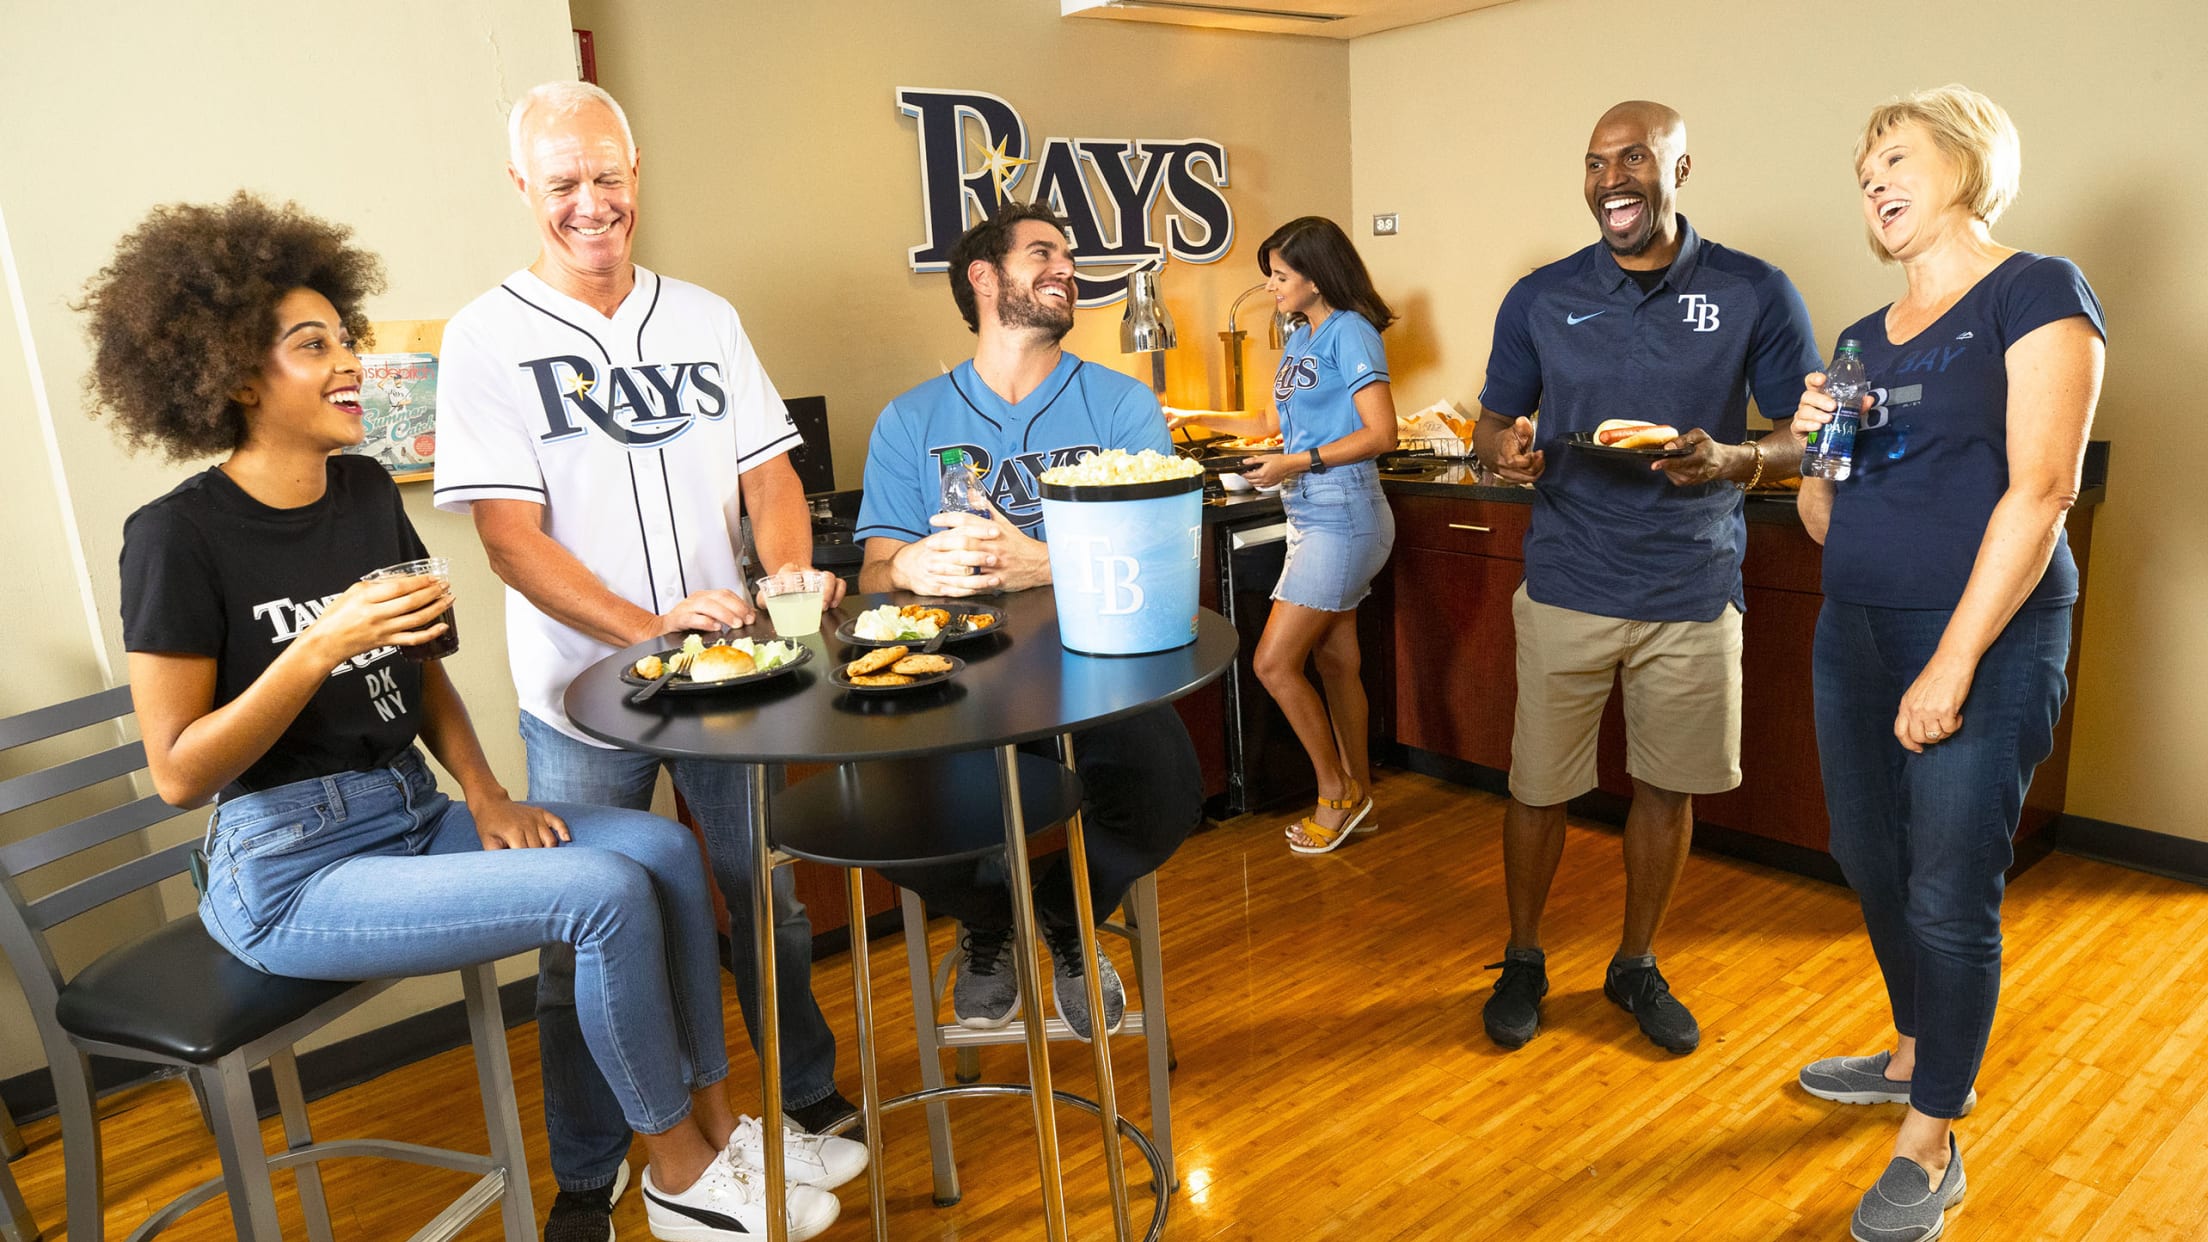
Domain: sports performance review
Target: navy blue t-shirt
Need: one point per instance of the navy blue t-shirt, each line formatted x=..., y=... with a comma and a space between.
x=1580, y=341
x=1932, y=459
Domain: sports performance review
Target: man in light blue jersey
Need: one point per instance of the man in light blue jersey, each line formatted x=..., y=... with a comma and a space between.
x=1022, y=405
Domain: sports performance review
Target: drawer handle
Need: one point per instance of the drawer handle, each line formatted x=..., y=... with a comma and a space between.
x=1482, y=530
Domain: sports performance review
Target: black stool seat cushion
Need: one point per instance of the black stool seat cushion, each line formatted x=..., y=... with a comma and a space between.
x=177, y=993
x=896, y=812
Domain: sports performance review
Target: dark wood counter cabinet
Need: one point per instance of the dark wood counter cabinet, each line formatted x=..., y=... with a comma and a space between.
x=1457, y=563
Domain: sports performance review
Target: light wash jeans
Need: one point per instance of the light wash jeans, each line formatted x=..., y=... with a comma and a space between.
x=367, y=875
x=589, y=1140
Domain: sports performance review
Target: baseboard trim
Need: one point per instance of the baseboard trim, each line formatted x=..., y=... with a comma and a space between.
x=359, y=1058
x=2159, y=853
x=1610, y=809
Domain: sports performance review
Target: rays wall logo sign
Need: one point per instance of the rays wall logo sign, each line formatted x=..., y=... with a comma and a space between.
x=975, y=153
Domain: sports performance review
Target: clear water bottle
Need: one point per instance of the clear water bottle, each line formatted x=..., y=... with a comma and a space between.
x=962, y=488
x=1829, y=452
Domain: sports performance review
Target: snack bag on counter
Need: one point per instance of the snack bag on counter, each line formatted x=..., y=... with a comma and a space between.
x=1440, y=427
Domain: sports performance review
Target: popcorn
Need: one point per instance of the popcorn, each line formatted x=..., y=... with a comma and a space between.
x=1114, y=467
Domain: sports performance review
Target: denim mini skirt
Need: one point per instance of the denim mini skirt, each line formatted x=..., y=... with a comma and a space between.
x=1340, y=532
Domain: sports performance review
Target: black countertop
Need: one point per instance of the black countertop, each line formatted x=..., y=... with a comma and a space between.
x=1466, y=481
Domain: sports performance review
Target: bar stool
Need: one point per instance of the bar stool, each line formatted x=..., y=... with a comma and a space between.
x=947, y=809
x=1138, y=926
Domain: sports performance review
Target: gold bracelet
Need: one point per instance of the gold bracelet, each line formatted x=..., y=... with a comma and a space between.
x=1757, y=477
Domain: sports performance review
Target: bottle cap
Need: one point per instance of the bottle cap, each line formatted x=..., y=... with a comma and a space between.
x=1851, y=347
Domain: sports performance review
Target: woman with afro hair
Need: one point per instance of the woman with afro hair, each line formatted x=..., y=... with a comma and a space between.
x=270, y=678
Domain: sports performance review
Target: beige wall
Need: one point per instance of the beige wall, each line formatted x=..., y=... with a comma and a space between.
x=1473, y=127
x=779, y=172
x=389, y=118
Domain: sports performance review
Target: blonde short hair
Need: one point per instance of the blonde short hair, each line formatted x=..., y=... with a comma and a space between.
x=1972, y=130
x=564, y=99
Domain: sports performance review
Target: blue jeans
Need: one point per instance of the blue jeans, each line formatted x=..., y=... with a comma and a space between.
x=367, y=875
x=1925, y=839
x=589, y=1139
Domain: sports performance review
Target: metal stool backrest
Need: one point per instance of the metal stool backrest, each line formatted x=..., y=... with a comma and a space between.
x=25, y=922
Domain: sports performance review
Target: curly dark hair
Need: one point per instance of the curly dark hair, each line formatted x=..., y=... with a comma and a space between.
x=989, y=241
x=186, y=311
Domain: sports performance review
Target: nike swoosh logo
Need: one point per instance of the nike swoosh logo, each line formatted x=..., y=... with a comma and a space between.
x=1576, y=320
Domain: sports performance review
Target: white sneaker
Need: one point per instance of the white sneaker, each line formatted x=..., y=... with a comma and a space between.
x=818, y=1160
x=728, y=1204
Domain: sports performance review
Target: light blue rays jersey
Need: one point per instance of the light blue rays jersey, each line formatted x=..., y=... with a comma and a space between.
x=1080, y=409
x=1320, y=373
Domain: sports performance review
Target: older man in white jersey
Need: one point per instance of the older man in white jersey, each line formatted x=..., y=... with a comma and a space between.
x=604, y=425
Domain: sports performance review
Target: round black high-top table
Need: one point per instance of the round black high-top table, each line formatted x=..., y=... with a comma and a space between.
x=1019, y=685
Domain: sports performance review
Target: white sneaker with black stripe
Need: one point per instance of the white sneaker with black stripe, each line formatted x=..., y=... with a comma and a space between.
x=729, y=1204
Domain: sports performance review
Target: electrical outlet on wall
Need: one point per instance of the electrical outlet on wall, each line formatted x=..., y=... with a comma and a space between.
x=1383, y=224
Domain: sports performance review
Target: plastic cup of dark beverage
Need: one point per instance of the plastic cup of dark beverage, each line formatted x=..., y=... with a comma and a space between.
x=445, y=644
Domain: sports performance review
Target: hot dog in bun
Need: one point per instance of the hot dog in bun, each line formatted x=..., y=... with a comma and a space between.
x=1632, y=433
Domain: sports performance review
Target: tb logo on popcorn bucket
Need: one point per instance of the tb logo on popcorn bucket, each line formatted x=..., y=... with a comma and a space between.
x=1114, y=578
x=1124, y=554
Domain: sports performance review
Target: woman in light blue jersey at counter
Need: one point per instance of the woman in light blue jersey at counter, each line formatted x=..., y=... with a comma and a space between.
x=1334, y=414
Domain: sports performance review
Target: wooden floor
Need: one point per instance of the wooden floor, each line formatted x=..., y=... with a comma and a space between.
x=1334, y=1082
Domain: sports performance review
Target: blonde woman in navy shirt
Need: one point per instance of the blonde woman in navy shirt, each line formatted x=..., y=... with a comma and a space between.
x=1948, y=588
x=1334, y=412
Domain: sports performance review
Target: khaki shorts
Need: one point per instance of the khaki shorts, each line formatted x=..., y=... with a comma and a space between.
x=1682, y=700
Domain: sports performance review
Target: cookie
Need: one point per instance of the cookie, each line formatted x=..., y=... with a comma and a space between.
x=921, y=665
x=880, y=679
x=876, y=660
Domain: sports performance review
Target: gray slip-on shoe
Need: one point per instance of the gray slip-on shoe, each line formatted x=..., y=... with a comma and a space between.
x=1903, y=1206
x=1861, y=1080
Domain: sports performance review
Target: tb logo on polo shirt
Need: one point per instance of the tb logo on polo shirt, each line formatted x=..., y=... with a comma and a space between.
x=1701, y=311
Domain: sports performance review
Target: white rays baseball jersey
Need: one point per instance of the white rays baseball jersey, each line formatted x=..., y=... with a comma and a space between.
x=632, y=432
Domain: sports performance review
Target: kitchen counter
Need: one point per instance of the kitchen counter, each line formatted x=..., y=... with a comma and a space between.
x=1458, y=561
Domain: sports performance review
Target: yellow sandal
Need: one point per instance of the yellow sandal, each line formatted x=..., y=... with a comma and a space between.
x=1359, y=804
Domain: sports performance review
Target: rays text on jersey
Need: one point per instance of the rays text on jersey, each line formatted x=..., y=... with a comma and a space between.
x=641, y=406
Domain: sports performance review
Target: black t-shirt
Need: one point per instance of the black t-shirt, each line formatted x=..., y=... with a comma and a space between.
x=208, y=570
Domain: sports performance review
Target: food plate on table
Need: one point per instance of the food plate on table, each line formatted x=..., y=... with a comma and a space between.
x=894, y=669
x=1629, y=438
x=889, y=625
x=711, y=659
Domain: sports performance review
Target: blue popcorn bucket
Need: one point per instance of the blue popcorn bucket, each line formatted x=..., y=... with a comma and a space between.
x=1123, y=563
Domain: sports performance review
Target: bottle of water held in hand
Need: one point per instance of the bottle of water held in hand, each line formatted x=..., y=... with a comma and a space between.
x=962, y=489
x=1829, y=452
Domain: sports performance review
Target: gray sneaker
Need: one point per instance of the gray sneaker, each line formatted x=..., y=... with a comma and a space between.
x=1071, y=991
x=1861, y=1080
x=986, y=996
x=1903, y=1206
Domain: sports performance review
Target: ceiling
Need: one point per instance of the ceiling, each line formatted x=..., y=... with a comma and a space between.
x=1322, y=19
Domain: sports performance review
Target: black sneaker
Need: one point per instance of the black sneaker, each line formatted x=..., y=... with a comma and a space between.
x=1637, y=987
x=586, y=1215
x=822, y=1116
x=1513, y=1015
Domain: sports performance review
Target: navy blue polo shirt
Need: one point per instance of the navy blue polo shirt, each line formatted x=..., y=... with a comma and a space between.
x=1579, y=341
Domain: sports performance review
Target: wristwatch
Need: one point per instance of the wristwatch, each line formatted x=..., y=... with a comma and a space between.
x=1317, y=466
